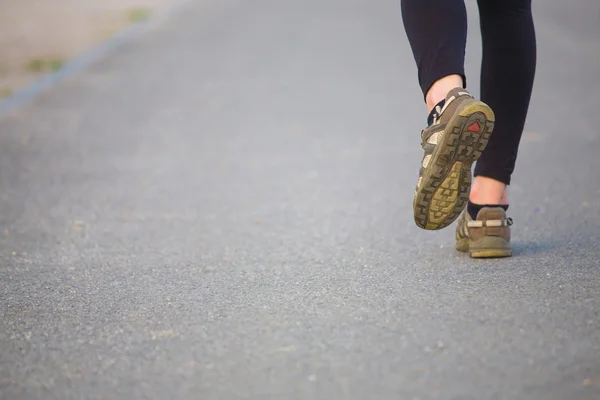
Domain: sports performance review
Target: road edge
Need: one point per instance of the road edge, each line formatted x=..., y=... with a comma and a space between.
x=85, y=59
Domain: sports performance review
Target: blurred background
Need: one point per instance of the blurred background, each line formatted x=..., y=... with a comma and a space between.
x=38, y=36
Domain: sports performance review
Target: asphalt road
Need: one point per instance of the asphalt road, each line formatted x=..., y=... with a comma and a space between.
x=221, y=209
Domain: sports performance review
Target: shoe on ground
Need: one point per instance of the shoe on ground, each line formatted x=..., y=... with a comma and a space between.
x=488, y=236
x=452, y=143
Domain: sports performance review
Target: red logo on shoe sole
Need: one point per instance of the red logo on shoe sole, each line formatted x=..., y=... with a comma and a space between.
x=474, y=127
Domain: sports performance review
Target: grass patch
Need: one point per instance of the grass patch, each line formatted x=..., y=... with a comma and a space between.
x=45, y=64
x=138, y=14
x=5, y=92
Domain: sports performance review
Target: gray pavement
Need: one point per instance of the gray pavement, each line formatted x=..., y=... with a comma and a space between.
x=221, y=209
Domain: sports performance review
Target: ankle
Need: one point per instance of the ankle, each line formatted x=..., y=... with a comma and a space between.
x=440, y=89
x=474, y=209
x=488, y=191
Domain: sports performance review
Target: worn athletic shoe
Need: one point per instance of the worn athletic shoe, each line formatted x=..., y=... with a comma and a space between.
x=454, y=140
x=488, y=236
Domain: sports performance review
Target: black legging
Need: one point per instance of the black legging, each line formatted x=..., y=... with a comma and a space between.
x=437, y=32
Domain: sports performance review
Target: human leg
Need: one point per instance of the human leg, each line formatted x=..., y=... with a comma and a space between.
x=507, y=75
x=437, y=32
x=458, y=125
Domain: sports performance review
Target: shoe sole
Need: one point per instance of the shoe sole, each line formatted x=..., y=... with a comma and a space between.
x=484, y=253
x=490, y=247
x=446, y=182
x=490, y=253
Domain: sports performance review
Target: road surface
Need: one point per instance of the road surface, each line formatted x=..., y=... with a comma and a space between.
x=221, y=209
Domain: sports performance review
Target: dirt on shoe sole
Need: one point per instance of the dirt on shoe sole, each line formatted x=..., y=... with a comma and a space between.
x=444, y=189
